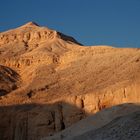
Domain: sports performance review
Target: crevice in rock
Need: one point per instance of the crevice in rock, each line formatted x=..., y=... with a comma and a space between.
x=124, y=92
x=26, y=45
x=26, y=127
x=29, y=94
x=99, y=104
x=46, y=87
x=62, y=117
x=82, y=103
x=56, y=59
x=3, y=92
x=137, y=60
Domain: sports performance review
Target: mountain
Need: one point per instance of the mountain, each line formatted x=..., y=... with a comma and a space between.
x=49, y=81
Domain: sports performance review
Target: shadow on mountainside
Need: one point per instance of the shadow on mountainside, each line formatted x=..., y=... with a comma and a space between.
x=95, y=122
x=33, y=121
x=124, y=127
x=36, y=121
x=9, y=80
x=68, y=39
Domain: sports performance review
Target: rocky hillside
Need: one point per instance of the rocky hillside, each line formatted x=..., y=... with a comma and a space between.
x=49, y=81
x=121, y=128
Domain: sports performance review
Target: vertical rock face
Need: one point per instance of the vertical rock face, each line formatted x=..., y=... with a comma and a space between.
x=49, y=81
x=32, y=121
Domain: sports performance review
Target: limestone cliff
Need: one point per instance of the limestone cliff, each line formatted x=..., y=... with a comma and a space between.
x=49, y=81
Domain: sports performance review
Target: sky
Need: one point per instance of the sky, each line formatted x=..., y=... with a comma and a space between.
x=91, y=22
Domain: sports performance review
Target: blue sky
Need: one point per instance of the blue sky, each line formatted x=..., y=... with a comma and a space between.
x=91, y=22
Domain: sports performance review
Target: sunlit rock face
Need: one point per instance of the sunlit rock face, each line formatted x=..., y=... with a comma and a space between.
x=49, y=81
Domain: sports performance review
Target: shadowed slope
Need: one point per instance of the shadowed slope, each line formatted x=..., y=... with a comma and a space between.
x=122, y=128
x=88, y=126
x=9, y=80
x=34, y=121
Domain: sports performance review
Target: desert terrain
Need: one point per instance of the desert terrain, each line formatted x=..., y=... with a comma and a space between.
x=52, y=87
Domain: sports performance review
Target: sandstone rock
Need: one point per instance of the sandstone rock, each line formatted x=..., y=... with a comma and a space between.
x=51, y=81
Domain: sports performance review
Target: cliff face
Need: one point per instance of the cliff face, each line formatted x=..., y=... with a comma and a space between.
x=34, y=121
x=48, y=81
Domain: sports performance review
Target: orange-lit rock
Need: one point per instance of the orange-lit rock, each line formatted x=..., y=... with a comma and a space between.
x=49, y=81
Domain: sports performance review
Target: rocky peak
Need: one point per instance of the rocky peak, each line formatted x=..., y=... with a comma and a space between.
x=32, y=23
x=31, y=32
x=28, y=33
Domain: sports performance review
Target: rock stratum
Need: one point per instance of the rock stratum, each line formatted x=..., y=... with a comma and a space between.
x=53, y=87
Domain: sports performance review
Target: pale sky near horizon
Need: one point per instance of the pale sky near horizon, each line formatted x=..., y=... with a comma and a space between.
x=91, y=22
